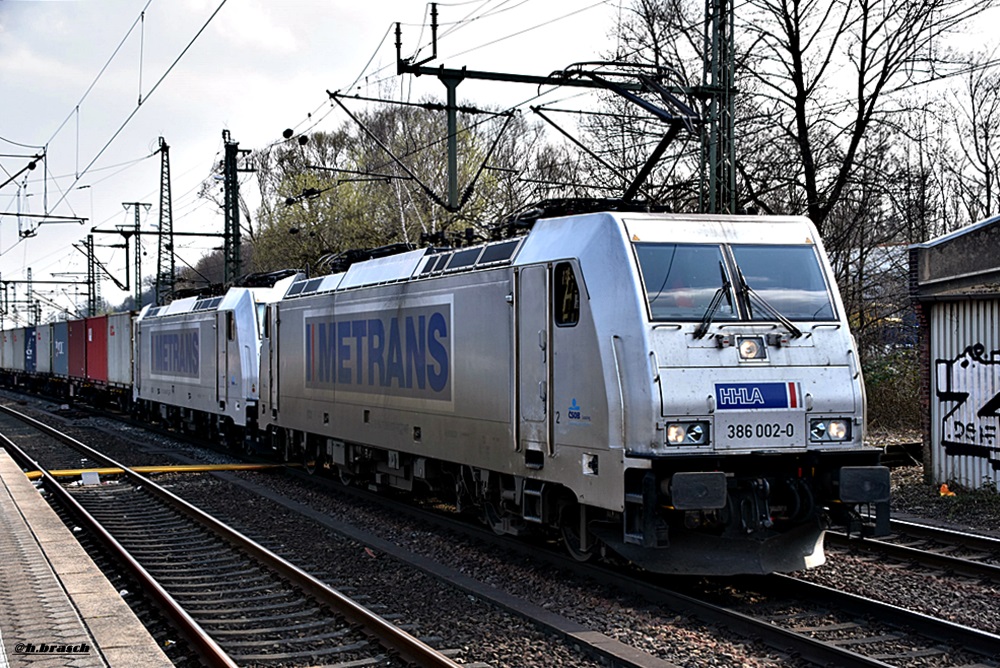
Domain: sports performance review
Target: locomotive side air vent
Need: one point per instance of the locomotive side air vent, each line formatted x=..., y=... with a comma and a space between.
x=405, y=266
x=464, y=258
x=312, y=285
x=435, y=263
x=499, y=252
x=207, y=304
x=477, y=257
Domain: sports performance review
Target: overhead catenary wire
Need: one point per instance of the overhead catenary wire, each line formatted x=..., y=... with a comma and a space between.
x=481, y=10
x=14, y=143
x=520, y=32
x=471, y=16
x=468, y=19
x=93, y=83
x=74, y=113
x=148, y=95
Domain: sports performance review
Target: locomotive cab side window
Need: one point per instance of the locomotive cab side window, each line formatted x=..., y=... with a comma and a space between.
x=258, y=316
x=566, y=297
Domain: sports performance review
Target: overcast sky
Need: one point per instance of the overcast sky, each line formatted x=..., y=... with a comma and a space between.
x=72, y=73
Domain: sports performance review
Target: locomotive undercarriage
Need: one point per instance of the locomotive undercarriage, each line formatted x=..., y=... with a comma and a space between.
x=754, y=513
x=219, y=428
x=750, y=514
x=508, y=504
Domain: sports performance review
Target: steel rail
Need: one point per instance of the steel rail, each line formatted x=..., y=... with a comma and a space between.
x=203, y=644
x=947, y=562
x=981, y=642
x=783, y=640
x=389, y=635
x=970, y=540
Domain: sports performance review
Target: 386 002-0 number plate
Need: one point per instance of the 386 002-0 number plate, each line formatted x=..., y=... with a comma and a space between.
x=759, y=414
x=769, y=429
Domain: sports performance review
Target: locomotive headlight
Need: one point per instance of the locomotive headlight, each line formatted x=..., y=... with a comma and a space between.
x=829, y=430
x=676, y=434
x=687, y=433
x=752, y=348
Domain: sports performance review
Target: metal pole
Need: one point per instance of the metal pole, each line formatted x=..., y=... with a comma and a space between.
x=138, y=249
x=91, y=276
x=165, y=266
x=452, y=84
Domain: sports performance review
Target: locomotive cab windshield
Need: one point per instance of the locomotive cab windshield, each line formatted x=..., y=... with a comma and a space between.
x=733, y=282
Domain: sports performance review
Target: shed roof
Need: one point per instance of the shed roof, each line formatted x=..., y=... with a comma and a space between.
x=962, y=264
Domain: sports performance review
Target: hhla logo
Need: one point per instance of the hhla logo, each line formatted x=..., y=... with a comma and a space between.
x=740, y=396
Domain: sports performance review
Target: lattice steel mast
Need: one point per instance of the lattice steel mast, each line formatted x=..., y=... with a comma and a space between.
x=165, y=267
x=718, y=153
x=233, y=262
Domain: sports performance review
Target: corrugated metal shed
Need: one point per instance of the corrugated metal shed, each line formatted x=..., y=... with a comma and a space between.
x=955, y=284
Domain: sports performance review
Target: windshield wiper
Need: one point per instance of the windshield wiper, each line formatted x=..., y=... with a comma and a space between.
x=749, y=292
x=713, y=306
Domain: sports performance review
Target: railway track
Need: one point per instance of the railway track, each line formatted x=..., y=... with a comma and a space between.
x=799, y=619
x=235, y=602
x=875, y=633
x=902, y=454
x=802, y=621
x=935, y=547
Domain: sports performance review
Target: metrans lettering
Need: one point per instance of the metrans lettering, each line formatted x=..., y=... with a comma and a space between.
x=175, y=352
x=403, y=352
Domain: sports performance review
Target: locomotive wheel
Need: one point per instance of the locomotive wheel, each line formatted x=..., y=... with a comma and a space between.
x=569, y=526
x=346, y=476
x=311, y=460
x=494, y=519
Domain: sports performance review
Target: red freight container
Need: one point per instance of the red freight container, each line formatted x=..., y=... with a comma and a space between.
x=97, y=349
x=77, y=348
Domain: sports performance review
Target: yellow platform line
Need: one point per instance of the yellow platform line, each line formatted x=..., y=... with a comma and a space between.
x=181, y=468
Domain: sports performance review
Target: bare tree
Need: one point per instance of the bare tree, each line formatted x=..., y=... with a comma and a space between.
x=837, y=69
x=977, y=120
x=382, y=180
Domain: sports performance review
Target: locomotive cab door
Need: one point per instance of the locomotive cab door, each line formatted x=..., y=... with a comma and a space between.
x=271, y=332
x=223, y=327
x=533, y=365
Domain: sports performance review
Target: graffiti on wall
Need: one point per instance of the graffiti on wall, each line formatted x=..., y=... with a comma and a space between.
x=971, y=382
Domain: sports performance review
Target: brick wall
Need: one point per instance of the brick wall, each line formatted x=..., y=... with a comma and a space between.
x=922, y=311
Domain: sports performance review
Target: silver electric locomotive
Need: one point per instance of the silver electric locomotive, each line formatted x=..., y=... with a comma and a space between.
x=681, y=389
x=196, y=362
